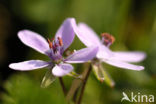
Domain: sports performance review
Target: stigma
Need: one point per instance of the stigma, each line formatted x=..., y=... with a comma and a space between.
x=107, y=39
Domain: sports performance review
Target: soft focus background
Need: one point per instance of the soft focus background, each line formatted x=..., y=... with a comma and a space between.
x=132, y=22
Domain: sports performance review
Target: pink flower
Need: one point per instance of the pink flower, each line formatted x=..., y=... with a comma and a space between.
x=118, y=59
x=59, y=65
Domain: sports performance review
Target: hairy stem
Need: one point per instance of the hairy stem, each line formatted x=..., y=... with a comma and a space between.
x=84, y=84
x=62, y=85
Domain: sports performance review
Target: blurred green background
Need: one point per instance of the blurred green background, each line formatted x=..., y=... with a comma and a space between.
x=132, y=23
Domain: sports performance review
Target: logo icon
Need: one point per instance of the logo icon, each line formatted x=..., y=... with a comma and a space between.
x=125, y=97
x=137, y=97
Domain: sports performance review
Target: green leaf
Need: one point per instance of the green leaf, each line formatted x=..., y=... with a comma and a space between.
x=48, y=79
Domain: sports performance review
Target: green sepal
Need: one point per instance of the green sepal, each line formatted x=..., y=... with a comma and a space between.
x=48, y=79
x=98, y=72
x=102, y=75
x=75, y=75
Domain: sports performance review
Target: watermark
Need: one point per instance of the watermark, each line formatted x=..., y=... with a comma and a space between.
x=137, y=97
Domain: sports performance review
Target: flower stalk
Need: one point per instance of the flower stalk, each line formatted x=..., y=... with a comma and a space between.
x=62, y=85
x=84, y=85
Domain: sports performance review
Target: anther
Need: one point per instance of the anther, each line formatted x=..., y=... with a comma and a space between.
x=60, y=41
x=107, y=39
x=50, y=44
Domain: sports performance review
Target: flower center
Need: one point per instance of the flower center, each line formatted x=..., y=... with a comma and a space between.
x=107, y=39
x=56, y=49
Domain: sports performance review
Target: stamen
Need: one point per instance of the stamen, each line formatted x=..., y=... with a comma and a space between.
x=50, y=43
x=107, y=39
x=55, y=48
x=60, y=41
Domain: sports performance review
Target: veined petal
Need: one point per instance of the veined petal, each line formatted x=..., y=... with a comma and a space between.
x=62, y=69
x=29, y=65
x=66, y=32
x=123, y=65
x=33, y=40
x=104, y=52
x=129, y=56
x=82, y=55
x=86, y=35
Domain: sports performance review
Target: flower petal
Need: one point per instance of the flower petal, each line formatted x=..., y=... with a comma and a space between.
x=124, y=65
x=62, y=69
x=86, y=35
x=66, y=32
x=29, y=65
x=129, y=56
x=34, y=40
x=104, y=52
x=82, y=55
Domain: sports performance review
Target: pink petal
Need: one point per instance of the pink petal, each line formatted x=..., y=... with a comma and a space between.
x=29, y=65
x=33, y=40
x=129, y=56
x=104, y=52
x=82, y=55
x=62, y=69
x=66, y=32
x=87, y=35
x=124, y=65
